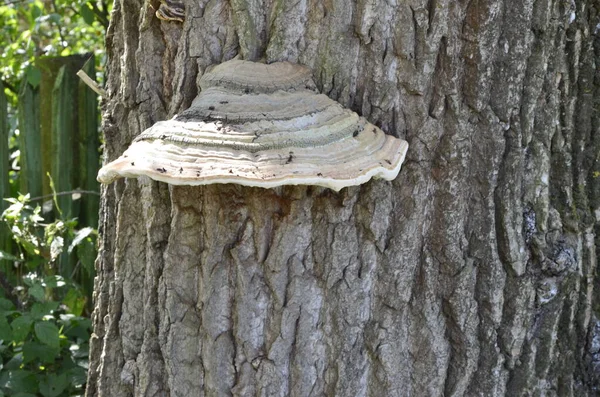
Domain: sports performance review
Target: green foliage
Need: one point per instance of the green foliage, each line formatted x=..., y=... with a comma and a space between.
x=43, y=335
x=32, y=28
x=44, y=329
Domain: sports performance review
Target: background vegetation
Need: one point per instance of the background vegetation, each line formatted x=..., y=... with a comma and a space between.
x=44, y=324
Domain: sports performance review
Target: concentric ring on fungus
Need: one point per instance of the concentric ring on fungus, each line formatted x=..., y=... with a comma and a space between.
x=261, y=125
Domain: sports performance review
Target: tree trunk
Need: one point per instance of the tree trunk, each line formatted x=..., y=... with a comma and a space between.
x=471, y=274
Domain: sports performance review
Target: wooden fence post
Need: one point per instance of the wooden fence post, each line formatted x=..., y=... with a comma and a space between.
x=89, y=148
x=5, y=239
x=64, y=139
x=30, y=140
x=50, y=68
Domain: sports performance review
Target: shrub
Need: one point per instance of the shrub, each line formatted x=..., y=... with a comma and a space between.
x=43, y=335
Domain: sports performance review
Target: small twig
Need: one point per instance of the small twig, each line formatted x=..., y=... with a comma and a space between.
x=64, y=194
x=60, y=32
x=91, y=83
x=75, y=270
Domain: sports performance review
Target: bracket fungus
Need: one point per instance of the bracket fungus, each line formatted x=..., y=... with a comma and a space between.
x=261, y=125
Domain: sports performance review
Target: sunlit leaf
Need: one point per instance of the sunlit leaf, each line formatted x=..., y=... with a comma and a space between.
x=56, y=247
x=79, y=236
x=8, y=257
x=75, y=301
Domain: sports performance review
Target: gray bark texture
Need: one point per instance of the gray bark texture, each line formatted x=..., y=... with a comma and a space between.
x=472, y=274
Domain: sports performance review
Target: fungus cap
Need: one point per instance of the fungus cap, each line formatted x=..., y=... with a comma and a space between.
x=261, y=125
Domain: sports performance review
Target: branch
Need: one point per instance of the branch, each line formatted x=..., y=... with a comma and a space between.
x=10, y=87
x=64, y=194
x=60, y=32
x=101, y=15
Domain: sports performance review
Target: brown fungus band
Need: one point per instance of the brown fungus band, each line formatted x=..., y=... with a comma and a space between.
x=261, y=125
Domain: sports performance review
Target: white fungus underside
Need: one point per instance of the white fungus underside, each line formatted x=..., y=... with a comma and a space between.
x=281, y=133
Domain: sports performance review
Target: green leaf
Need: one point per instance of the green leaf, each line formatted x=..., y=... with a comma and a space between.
x=21, y=327
x=23, y=395
x=8, y=257
x=34, y=350
x=34, y=263
x=34, y=76
x=77, y=376
x=36, y=11
x=6, y=305
x=77, y=327
x=5, y=330
x=47, y=333
x=55, y=18
x=54, y=281
x=86, y=252
x=53, y=385
x=19, y=381
x=87, y=14
x=15, y=362
x=75, y=301
x=80, y=351
x=79, y=236
x=37, y=291
x=39, y=310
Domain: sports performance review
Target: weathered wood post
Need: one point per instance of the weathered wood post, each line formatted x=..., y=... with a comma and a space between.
x=30, y=140
x=89, y=144
x=5, y=239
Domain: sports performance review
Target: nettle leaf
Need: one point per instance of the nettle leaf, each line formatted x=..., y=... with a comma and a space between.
x=19, y=380
x=86, y=252
x=39, y=310
x=14, y=363
x=53, y=385
x=37, y=291
x=54, y=281
x=5, y=330
x=21, y=327
x=77, y=376
x=47, y=333
x=6, y=305
x=34, y=350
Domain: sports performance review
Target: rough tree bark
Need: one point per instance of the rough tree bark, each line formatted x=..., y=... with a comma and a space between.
x=471, y=274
